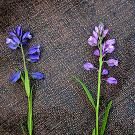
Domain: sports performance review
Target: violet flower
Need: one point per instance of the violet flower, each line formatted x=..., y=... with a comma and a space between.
x=105, y=72
x=111, y=80
x=34, y=53
x=88, y=66
x=112, y=62
x=37, y=75
x=17, y=37
x=107, y=47
x=15, y=77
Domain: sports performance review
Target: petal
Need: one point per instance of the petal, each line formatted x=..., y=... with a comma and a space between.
x=96, y=52
x=95, y=34
x=105, y=72
x=16, y=40
x=33, y=60
x=110, y=41
x=19, y=31
x=12, y=46
x=101, y=27
x=96, y=29
x=15, y=77
x=105, y=32
x=37, y=75
x=27, y=35
x=88, y=66
x=8, y=40
x=112, y=62
x=92, y=41
x=34, y=56
x=110, y=49
x=12, y=33
x=111, y=80
x=34, y=49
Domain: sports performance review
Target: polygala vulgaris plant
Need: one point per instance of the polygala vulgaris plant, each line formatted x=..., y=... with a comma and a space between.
x=18, y=40
x=104, y=46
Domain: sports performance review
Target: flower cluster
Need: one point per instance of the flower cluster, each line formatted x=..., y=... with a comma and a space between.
x=107, y=47
x=18, y=38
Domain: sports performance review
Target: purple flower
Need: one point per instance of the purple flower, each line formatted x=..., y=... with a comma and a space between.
x=107, y=48
x=19, y=31
x=88, y=66
x=110, y=42
x=95, y=34
x=16, y=76
x=37, y=75
x=105, y=72
x=26, y=35
x=105, y=32
x=34, y=53
x=96, y=52
x=111, y=80
x=92, y=41
x=11, y=44
x=34, y=49
x=112, y=62
x=99, y=29
x=16, y=37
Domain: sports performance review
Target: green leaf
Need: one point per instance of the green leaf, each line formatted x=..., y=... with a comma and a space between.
x=104, y=122
x=93, y=132
x=86, y=91
x=27, y=83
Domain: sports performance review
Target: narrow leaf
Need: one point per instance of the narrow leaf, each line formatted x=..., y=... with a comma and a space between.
x=86, y=91
x=104, y=122
x=27, y=83
x=93, y=132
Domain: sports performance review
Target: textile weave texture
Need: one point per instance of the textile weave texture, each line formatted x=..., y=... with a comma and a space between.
x=62, y=28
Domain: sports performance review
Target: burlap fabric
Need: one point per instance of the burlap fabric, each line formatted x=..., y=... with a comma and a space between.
x=62, y=28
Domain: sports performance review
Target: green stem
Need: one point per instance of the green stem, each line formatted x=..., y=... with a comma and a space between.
x=99, y=86
x=29, y=94
x=30, y=122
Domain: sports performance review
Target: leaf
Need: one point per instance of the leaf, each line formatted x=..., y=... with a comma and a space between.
x=86, y=91
x=104, y=122
x=27, y=83
x=93, y=132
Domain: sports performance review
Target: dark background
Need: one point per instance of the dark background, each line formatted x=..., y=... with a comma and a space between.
x=62, y=28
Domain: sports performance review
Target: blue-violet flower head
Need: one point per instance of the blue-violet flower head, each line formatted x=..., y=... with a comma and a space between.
x=15, y=77
x=37, y=75
x=16, y=37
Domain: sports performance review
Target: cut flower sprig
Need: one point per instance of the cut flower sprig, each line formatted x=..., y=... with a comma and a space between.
x=18, y=40
x=104, y=46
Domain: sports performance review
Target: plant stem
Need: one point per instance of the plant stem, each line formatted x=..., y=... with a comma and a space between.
x=99, y=85
x=29, y=94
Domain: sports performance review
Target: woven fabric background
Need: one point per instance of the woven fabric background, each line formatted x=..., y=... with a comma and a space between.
x=62, y=28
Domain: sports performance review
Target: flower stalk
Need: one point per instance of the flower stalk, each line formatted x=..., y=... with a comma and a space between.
x=104, y=46
x=29, y=94
x=17, y=40
x=99, y=84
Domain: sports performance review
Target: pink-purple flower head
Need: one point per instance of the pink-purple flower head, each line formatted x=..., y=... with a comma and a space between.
x=88, y=66
x=17, y=37
x=112, y=62
x=107, y=46
x=111, y=80
x=99, y=31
